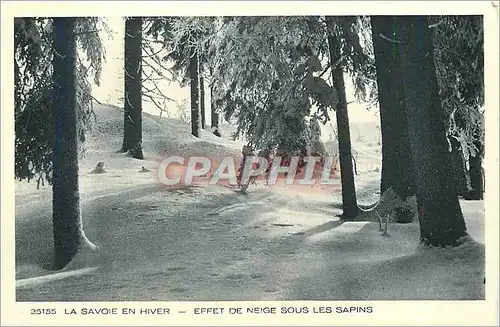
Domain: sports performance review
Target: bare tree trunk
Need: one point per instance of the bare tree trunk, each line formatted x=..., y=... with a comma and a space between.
x=214, y=115
x=440, y=215
x=459, y=169
x=132, y=141
x=66, y=216
x=397, y=164
x=476, y=174
x=195, y=106
x=349, y=201
x=202, y=97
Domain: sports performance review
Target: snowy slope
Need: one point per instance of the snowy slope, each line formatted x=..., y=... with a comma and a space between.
x=210, y=243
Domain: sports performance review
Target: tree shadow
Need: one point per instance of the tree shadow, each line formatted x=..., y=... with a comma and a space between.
x=34, y=242
x=34, y=233
x=432, y=269
x=323, y=227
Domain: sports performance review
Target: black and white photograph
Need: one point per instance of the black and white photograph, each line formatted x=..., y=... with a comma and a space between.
x=263, y=157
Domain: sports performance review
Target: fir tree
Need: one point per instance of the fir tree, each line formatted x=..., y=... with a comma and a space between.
x=440, y=215
x=34, y=106
x=349, y=202
x=53, y=109
x=459, y=57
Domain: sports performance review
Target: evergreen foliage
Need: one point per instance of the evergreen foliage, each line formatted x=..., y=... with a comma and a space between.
x=34, y=108
x=459, y=57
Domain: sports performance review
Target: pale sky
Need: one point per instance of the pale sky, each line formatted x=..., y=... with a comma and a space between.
x=111, y=88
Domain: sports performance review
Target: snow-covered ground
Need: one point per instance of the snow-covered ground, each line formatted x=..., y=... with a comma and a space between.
x=211, y=243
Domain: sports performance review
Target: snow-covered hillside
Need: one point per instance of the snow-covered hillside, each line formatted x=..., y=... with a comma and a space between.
x=211, y=243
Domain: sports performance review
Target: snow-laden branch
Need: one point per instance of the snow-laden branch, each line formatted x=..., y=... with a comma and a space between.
x=388, y=38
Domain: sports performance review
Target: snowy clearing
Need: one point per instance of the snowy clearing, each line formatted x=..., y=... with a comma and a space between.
x=211, y=243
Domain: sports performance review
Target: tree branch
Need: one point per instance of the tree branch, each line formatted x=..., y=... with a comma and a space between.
x=152, y=54
x=86, y=32
x=87, y=93
x=388, y=38
x=154, y=101
x=324, y=71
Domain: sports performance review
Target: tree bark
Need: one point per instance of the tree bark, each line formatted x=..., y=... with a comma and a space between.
x=349, y=201
x=214, y=115
x=195, y=106
x=202, y=97
x=476, y=174
x=132, y=137
x=440, y=215
x=397, y=164
x=66, y=215
x=459, y=168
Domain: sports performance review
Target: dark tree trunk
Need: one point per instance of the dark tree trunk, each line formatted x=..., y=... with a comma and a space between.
x=397, y=164
x=349, y=202
x=214, y=116
x=66, y=215
x=132, y=131
x=459, y=168
x=440, y=215
x=476, y=174
x=127, y=114
x=202, y=97
x=195, y=107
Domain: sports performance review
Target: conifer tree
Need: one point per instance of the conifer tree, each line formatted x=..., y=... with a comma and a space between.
x=67, y=220
x=53, y=109
x=440, y=215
